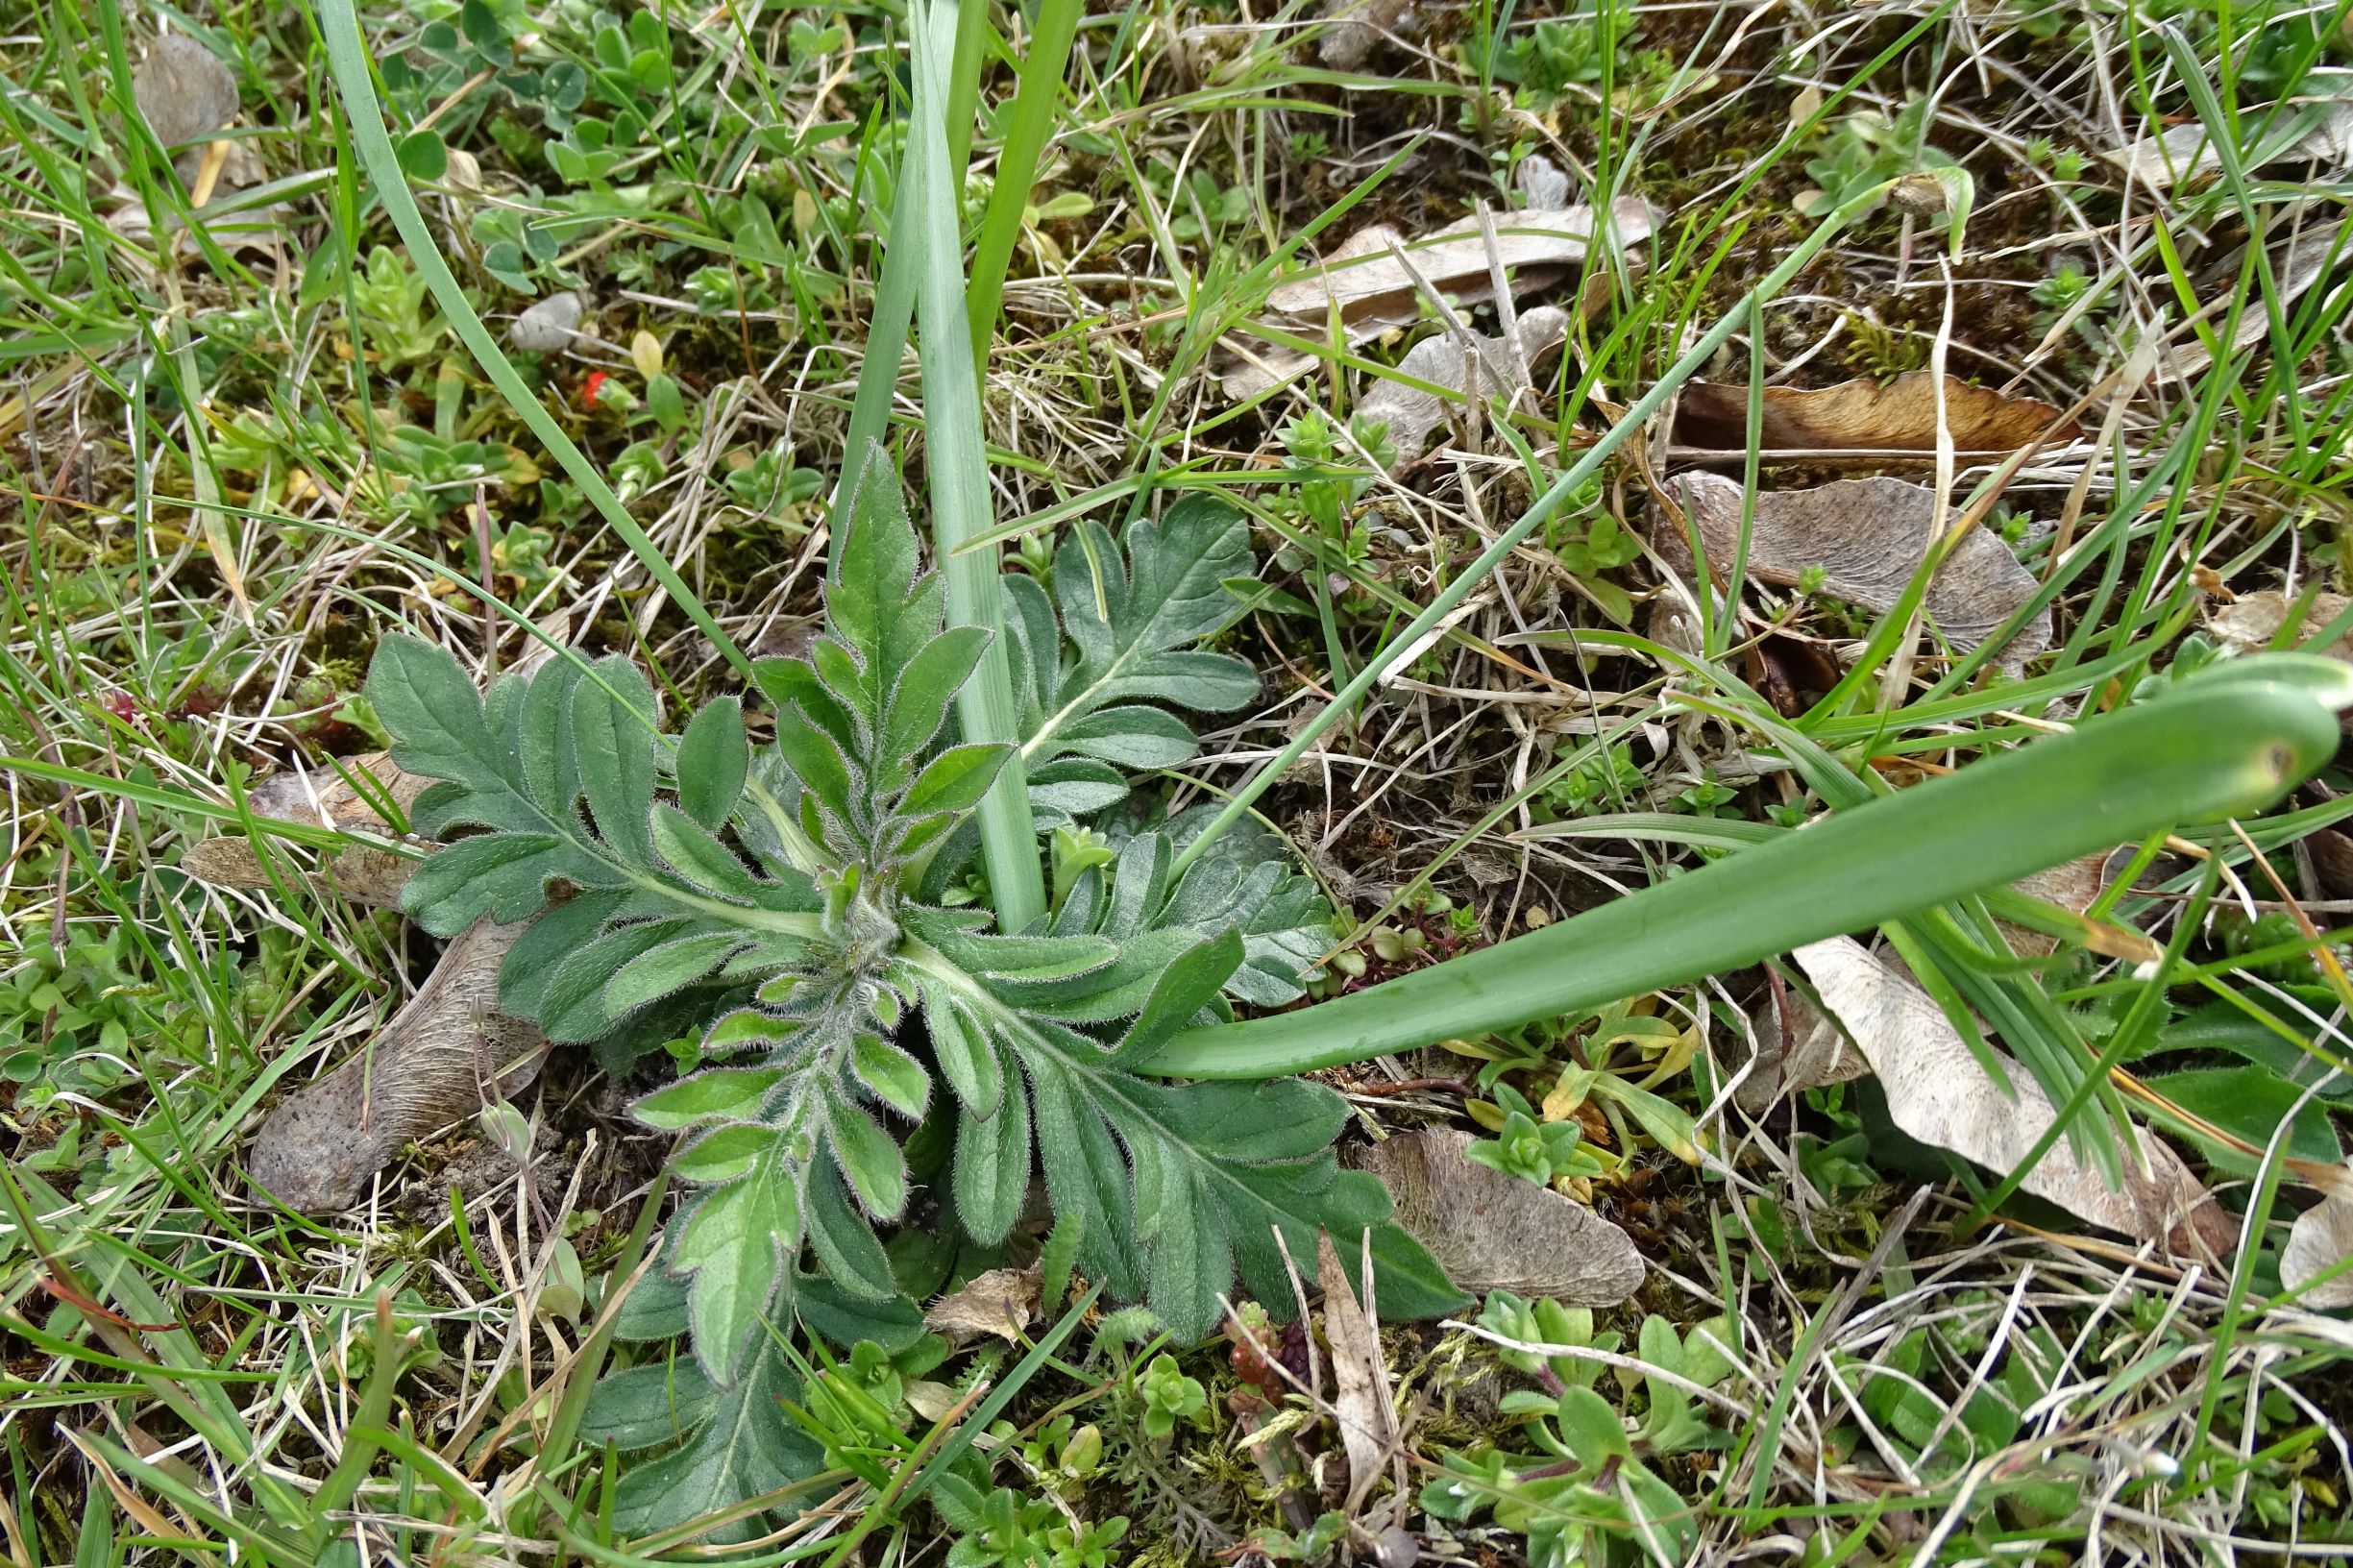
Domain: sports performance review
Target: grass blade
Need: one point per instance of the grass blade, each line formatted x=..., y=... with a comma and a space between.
x=2224, y=747
x=886, y=344
x=1035, y=102
x=960, y=491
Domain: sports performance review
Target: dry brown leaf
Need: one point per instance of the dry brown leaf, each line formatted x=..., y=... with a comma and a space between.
x=1364, y=278
x=999, y=1302
x=1869, y=536
x=319, y=799
x=2318, y=1239
x=434, y=1064
x=183, y=90
x=331, y=799
x=363, y=875
x=1937, y=1093
x=236, y=223
x=2296, y=264
x=2176, y=154
x=1359, y=1377
x=2331, y=852
x=2185, y=153
x=1375, y=293
x=1491, y=1231
x=2248, y=623
x=1413, y=414
x=1817, y=1054
x=1805, y=1052
x=1866, y=416
x=2073, y=884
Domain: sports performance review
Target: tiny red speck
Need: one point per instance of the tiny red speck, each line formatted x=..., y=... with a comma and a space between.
x=590, y=387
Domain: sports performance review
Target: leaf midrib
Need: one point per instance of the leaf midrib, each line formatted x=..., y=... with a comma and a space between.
x=937, y=966
x=748, y=916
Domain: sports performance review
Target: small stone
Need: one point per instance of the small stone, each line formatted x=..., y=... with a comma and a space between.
x=548, y=325
x=1542, y=181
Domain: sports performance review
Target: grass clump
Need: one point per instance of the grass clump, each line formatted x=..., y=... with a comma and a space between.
x=1029, y=818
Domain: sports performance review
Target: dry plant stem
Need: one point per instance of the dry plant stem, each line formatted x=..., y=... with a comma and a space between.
x=1402, y=644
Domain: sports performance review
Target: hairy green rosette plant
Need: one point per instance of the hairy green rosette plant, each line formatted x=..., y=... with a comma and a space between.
x=775, y=893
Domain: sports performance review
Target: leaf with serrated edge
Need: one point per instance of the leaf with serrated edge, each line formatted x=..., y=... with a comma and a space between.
x=432, y=709
x=713, y=759
x=737, y=1242
x=1178, y=1180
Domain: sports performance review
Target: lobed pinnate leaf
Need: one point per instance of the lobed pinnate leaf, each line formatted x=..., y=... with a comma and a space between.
x=1128, y=609
x=1175, y=1187
x=652, y=900
x=730, y=1443
x=857, y=717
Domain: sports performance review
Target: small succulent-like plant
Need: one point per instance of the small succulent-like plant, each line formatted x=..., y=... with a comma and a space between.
x=1169, y=1397
x=1591, y=1483
x=786, y=903
x=1530, y=1149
